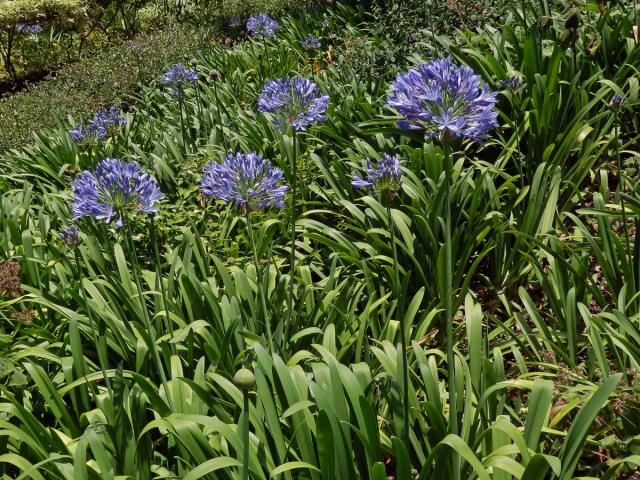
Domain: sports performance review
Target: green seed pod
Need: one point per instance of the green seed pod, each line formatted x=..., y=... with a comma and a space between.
x=244, y=379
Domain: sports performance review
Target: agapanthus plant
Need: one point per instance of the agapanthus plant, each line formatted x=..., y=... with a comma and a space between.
x=70, y=236
x=386, y=177
x=105, y=123
x=444, y=100
x=179, y=76
x=512, y=83
x=29, y=28
x=294, y=101
x=114, y=190
x=81, y=134
x=311, y=42
x=251, y=182
x=617, y=103
x=262, y=26
x=247, y=180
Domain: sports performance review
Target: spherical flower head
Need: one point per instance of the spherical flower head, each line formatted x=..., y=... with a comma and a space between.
x=294, y=101
x=106, y=123
x=262, y=25
x=247, y=180
x=114, y=190
x=512, y=83
x=29, y=28
x=617, y=103
x=70, y=236
x=179, y=76
x=385, y=178
x=444, y=100
x=311, y=43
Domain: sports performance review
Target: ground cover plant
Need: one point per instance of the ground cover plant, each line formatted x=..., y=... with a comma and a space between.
x=275, y=264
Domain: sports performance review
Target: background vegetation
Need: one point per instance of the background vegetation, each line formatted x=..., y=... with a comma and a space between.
x=546, y=270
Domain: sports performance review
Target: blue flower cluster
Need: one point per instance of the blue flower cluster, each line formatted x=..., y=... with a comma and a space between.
x=386, y=177
x=70, y=236
x=178, y=76
x=512, y=83
x=113, y=191
x=311, y=43
x=247, y=180
x=105, y=123
x=262, y=26
x=444, y=100
x=29, y=28
x=294, y=101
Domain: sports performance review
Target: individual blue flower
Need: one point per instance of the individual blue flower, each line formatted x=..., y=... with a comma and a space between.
x=29, y=28
x=106, y=123
x=70, y=236
x=294, y=101
x=179, y=76
x=247, y=180
x=617, y=102
x=311, y=43
x=114, y=190
x=262, y=25
x=444, y=99
x=81, y=134
x=386, y=177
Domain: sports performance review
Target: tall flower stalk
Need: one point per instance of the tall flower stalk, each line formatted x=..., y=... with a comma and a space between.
x=616, y=105
x=512, y=85
x=385, y=180
x=115, y=192
x=177, y=78
x=296, y=104
x=251, y=183
x=264, y=27
x=450, y=103
x=163, y=290
x=215, y=77
x=71, y=238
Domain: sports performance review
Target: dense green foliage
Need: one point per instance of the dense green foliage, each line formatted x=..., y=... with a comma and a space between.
x=546, y=276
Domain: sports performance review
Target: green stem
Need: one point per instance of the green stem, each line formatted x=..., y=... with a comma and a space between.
x=520, y=166
x=101, y=359
x=261, y=294
x=292, y=251
x=182, y=127
x=403, y=332
x=266, y=53
x=448, y=294
x=628, y=255
x=145, y=313
x=163, y=290
x=245, y=436
x=215, y=94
